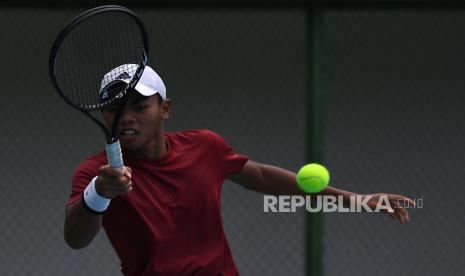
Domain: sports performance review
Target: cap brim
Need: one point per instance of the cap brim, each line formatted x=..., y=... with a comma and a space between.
x=145, y=90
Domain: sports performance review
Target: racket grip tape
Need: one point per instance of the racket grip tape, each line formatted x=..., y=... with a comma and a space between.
x=114, y=155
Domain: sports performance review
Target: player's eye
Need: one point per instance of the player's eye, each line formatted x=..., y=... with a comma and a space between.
x=112, y=109
x=140, y=107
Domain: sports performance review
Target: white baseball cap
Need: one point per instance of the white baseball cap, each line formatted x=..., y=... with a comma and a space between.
x=149, y=84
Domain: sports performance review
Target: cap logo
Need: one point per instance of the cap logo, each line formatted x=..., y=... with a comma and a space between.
x=123, y=76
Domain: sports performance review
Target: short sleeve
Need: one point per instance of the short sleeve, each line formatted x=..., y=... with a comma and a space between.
x=230, y=161
x=81, y=178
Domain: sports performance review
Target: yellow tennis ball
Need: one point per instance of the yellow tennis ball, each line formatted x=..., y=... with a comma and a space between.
x=312, y=178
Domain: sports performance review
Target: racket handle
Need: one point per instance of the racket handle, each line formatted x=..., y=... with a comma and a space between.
x=115, y=157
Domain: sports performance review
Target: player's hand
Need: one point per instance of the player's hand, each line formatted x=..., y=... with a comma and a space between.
x=110, y=183
x=397, y=203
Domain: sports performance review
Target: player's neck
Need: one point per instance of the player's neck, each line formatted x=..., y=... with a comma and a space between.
x=156, y=149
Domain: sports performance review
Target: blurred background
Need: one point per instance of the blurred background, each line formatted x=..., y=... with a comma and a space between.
x=373, y=91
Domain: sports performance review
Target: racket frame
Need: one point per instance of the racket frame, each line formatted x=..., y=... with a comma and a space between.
x=111, y=136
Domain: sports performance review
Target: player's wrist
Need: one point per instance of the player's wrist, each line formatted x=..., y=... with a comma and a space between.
x=92, y=200
x=98, y=189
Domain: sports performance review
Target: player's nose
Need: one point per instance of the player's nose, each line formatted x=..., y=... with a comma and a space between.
x=127, y=116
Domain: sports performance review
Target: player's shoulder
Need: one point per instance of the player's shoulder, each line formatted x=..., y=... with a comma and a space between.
x=201, y=135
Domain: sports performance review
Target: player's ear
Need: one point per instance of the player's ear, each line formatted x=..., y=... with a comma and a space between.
x=165, y=109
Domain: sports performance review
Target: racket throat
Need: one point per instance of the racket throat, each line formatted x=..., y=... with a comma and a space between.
x=114, y=125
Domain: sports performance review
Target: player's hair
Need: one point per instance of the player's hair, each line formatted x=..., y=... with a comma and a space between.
x=160, y=99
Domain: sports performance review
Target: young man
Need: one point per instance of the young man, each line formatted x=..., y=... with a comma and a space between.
x=165, y=215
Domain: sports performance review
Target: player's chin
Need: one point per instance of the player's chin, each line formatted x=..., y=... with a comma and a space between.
x=131, y=147
x=129, y=142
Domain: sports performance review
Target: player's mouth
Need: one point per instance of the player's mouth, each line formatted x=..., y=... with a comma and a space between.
x=128, y=134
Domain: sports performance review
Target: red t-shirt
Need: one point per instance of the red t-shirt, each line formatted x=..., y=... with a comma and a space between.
x=170, y=223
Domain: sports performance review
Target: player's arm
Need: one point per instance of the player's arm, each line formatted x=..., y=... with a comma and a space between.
x=273, y=180
x=82, y=224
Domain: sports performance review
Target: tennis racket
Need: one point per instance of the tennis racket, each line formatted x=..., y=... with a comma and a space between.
x=96, y=61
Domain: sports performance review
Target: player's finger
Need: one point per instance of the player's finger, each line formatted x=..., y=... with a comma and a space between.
x=400, y=209
x=127, y=172
x=108, y=181
x=120, y=188
x=123, y=180
x=127, y=187
x=103, y=169
x=404, y=213
x=407, y=215
x=397, y=215
x=106, y=170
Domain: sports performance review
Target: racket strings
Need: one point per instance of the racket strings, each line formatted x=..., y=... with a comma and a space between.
x=92, y=54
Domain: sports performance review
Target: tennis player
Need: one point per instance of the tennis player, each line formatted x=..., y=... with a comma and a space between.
x=163, y=216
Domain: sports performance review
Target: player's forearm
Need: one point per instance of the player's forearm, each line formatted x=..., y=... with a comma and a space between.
x=81, y=226
x=273, y=180
x=346, y=195
x=267, y=179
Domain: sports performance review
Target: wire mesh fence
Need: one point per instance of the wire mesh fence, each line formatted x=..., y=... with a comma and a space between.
x=394, y=93
x=234, y=72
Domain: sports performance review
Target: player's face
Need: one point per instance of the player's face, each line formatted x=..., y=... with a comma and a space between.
x=141, y=122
